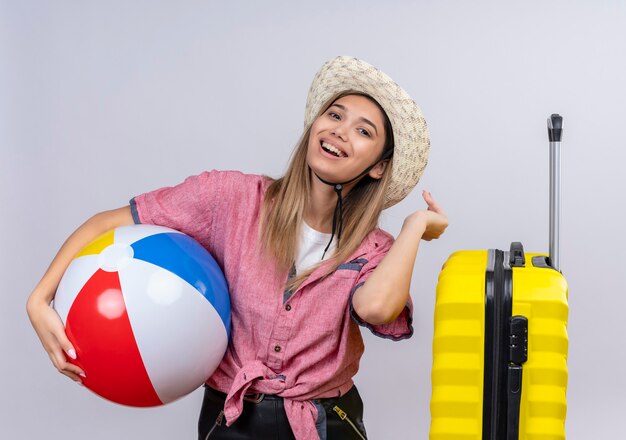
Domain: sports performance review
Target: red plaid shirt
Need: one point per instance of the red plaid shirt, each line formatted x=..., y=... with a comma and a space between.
x=301, y=346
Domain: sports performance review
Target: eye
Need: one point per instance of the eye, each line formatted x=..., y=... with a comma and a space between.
x=334, y=115
x=364, y=132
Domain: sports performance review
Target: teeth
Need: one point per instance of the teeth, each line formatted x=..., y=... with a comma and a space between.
x=332, y=149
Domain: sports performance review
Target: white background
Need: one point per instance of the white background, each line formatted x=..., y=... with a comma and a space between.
x=100, y=101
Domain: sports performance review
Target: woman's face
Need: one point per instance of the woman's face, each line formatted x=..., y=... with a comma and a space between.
x=346, y=139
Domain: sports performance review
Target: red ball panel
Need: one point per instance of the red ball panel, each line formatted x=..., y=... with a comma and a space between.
x=98, y=326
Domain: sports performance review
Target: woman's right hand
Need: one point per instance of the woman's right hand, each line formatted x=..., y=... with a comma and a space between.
x=49, y=328
x=45, y=320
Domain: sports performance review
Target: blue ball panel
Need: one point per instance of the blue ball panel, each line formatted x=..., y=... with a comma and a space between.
x=182, y=255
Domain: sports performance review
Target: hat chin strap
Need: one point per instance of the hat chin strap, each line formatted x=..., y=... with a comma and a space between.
x=338, y=187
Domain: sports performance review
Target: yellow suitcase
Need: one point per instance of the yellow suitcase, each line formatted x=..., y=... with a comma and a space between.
x=500, y=340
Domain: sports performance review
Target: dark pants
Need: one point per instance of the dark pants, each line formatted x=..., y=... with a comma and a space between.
x=339, y=418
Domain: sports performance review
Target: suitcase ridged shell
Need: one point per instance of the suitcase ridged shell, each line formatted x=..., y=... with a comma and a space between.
x=540, y=294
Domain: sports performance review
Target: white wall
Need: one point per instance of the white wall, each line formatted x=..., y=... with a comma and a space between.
x=100, y=101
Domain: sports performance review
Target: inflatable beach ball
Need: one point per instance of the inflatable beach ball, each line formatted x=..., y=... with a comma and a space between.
x=148, y=312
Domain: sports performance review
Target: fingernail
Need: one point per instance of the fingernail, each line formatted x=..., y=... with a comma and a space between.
x=71, y=353
x=82, y=375
x=79, y=383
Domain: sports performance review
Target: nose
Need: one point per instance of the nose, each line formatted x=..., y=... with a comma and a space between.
x=339, y=131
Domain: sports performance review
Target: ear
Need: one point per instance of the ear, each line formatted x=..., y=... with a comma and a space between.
x=378, y=170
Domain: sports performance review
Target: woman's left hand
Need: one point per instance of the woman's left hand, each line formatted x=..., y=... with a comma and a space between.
x=433, y=219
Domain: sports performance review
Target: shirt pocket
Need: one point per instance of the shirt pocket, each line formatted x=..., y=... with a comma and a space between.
x=330, y=299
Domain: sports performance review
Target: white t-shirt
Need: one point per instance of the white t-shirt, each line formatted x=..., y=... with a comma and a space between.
x=311, y=247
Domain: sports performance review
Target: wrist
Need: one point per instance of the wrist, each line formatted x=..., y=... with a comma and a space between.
x=416, y=223
x=38, y=299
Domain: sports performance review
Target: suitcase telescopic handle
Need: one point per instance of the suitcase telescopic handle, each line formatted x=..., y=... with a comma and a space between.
x=555, y=131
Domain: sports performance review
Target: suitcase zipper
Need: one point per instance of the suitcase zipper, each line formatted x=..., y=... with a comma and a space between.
x=343, y=416
x=218, y=422
x=497, y=314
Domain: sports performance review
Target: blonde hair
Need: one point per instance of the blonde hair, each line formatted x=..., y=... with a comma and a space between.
x=286, y=197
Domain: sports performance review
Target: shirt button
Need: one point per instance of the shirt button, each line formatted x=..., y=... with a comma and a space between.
x=277, y=348
x=288, y=307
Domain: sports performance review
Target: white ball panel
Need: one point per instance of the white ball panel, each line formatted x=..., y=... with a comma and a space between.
x=180, y=336
x=80, y=270
x=132, y=233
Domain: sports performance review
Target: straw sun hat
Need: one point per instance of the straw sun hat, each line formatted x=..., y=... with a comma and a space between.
x=409, y=127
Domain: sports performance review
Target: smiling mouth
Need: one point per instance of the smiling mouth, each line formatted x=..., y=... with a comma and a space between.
x=332, y=150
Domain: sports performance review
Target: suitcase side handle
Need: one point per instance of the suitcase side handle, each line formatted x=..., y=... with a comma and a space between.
x=555, y=132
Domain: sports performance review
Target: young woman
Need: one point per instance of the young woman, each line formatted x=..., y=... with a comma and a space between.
x=304, y=259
